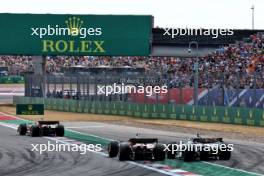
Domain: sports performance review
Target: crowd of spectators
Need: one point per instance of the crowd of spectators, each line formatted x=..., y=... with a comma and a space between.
x=239, y=65
x=16, y=64
x=236, y=66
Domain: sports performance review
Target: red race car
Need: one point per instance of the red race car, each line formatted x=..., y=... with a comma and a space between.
x=41, y=128
x=137, y=149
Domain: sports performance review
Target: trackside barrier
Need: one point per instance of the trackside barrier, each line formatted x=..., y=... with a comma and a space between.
x=11, y=79
x=218, y=114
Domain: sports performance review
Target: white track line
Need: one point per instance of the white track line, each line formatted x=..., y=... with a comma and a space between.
x=8, y=125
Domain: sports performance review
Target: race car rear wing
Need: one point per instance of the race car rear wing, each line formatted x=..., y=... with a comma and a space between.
x=207, y=140
x=143, y=140
x=48, y=122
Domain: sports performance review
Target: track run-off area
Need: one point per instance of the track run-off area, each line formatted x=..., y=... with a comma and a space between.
x=16, y=157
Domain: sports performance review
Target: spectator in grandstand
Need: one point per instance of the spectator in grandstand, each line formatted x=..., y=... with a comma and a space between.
x=235, y=66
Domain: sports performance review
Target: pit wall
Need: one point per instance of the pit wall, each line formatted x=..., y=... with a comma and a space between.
x=216, y=114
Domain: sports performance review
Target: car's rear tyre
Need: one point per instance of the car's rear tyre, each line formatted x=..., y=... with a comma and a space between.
x=159, y=153
x=171, y=154
x=113, y=148
x=124, y=151
x=188, y=156
x=22, y=129
x=204, y=155
x=59, y=130
x=224, y=155
x=35, y=131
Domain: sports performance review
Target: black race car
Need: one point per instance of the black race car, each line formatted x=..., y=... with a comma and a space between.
x=41, y=128
x=200, y=148
x=137, y=149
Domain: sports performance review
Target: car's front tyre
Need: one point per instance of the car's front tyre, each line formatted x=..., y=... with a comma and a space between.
x=34, y=131
x=22, y=129
x=113, y=148
x=159, y=153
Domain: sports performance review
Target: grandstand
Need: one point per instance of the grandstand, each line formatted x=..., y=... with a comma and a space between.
x=231, y=75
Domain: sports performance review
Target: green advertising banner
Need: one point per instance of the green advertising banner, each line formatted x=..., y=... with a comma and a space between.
x=11, y=79
x=50, y=34
x=30, y=109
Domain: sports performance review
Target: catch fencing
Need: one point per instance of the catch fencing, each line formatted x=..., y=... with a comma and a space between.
x=85, y=86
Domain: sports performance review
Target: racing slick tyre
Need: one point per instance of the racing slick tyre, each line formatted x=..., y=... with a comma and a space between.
x=35, y=131
x=159, y=153
x=22, y=129
x=204, y=155
x=113, y=148
x=224, y=155
x=59, y=131
x=188, y=156
x=124, y=151
x=171, y=154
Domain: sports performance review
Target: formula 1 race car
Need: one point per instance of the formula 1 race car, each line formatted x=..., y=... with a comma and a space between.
x=41, y=128
x=137, y=149
x=200, y=148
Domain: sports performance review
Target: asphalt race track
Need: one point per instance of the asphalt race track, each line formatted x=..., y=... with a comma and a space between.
x=247, y=156
x=7, y=93
x=17, y=159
